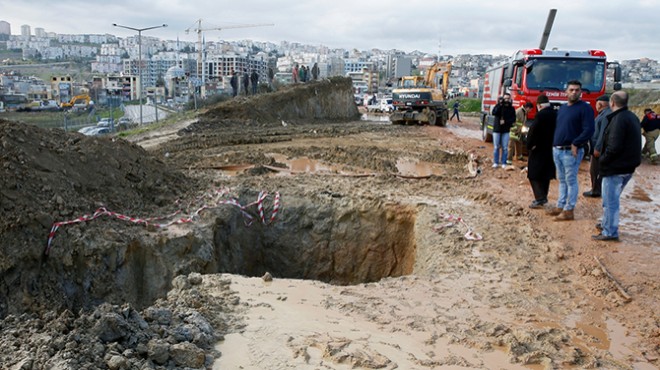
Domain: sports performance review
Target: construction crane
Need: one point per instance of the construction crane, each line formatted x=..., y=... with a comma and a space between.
x=199, y=29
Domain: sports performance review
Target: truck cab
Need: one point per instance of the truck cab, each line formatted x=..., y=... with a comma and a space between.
x=531, y=72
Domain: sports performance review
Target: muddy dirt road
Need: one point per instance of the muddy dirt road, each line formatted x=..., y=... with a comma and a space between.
x=241, y=242
x=529, y=295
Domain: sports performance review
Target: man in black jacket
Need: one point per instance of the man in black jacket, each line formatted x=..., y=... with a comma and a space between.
x=234, y=83
x=621, y=154
x=505, y=116
x=254, y=79
x=651, y=127
x=540, y=165
x=246, y=82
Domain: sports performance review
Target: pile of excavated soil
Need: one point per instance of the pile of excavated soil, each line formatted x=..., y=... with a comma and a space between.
x=177, y=332
x=329, y=100
x=48, y=176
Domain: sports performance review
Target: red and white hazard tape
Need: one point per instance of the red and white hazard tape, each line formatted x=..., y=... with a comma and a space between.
x=453, y=220
x=149, y=221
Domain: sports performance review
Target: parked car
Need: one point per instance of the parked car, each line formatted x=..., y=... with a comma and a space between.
x=124, y=123
x=87, y=129
x=386, y=105
x=98, y=131
x=104, y=122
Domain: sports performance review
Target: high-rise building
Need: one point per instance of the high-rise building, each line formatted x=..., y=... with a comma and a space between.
x=398, y=65
x=39, y=32
x=5, y=28
x=25, y=30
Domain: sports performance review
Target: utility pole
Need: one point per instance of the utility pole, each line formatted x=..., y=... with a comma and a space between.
x=156, y=103
x=139, y=31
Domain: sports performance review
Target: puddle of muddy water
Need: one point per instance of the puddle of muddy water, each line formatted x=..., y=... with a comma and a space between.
x=414, y=168
x=287, y=320
x=464, y=132
x=640, y=212
x=590, y=331
x=310, y=166
x=373, y=117
x=405, y=167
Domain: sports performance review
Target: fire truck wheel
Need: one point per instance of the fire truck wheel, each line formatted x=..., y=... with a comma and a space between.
x=487, y=137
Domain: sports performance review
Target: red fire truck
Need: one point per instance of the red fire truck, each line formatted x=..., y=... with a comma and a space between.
x=531, y=72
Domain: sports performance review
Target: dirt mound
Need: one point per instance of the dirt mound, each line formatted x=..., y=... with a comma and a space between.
x=48, y=176
x=175, y=333
x=328, y=100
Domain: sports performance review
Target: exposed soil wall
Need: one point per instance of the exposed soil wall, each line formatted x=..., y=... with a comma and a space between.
x=329, y=100
x=340, y=241
x=48, y=176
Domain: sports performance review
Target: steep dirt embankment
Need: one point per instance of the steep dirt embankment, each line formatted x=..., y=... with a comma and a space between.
x=329, y=100
x=48, y=176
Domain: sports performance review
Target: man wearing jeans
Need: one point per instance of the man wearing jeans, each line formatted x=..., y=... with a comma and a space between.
x=621, y=154
x=575, y=126
x=505, y=116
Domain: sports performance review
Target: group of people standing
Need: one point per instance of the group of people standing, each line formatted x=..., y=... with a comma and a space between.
x=557, y=142
x=302, y=73
x=507, y=131
x=247, y=83
x=248, y=79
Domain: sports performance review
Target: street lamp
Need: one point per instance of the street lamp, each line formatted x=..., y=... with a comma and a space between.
x=139, y=31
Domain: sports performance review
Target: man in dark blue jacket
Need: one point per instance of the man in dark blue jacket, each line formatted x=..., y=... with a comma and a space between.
x=456, y=114
x=621, y=154
x=575, y=126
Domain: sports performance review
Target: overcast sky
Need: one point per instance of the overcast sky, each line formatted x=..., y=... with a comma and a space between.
x=624, y=30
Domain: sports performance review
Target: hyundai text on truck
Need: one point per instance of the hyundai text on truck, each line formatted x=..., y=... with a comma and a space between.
x=422, y=99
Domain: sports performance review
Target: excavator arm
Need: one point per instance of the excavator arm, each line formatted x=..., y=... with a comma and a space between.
x=439, y=68
x=84, y=98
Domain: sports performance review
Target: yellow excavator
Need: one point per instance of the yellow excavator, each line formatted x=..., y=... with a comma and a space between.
x=422, y=99
x=82, y=101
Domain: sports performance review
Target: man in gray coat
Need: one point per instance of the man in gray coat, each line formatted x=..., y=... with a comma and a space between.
x=603, y=108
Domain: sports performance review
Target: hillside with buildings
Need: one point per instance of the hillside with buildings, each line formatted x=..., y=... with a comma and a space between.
x=177, y=71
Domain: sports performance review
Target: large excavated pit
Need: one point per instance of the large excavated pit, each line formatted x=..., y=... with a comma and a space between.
x=337, y=242
x=334, y=240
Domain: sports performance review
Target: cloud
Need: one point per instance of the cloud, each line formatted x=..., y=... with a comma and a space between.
x=458, y=27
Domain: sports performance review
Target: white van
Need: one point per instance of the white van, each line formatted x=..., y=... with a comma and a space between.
x=386, y=105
